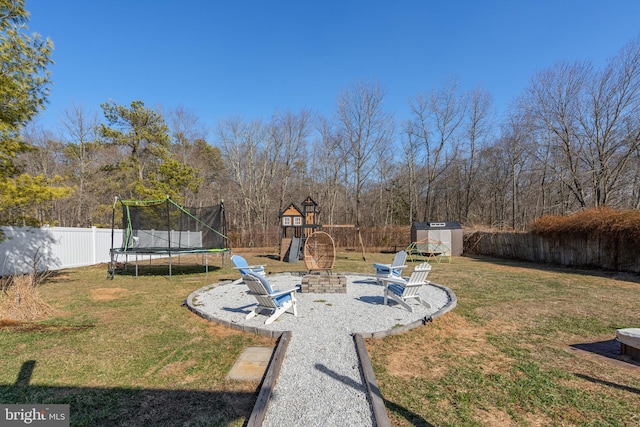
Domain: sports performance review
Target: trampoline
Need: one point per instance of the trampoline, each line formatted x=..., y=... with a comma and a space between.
x=163, y=229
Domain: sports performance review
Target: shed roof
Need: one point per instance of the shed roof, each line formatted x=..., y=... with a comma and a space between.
x=432, y=225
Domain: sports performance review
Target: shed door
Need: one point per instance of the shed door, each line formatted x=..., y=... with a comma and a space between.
x=440, y=241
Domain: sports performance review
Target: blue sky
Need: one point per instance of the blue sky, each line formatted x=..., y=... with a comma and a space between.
x=253, y=58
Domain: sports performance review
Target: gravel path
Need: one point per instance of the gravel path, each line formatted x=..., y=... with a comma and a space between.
x=320, y=381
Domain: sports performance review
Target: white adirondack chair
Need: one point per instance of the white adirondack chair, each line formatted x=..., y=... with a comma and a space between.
x=402, y=290
x=274, y=301
x=391, y=270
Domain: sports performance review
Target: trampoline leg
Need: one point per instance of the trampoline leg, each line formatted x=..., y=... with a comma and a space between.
x=112, y=266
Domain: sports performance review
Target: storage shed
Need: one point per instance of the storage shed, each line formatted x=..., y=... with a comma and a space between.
x=438, y=237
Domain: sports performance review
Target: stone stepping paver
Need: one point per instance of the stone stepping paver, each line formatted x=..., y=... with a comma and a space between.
x=251, y=364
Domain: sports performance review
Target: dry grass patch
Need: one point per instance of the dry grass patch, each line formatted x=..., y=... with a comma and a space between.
x=427, y=352
x=20, y=299
x=220, y=331
x=496, y=417
x=176, y=370
x=107, y=294
x=512, y=316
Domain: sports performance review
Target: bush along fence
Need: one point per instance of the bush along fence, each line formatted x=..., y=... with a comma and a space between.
x=613, y=251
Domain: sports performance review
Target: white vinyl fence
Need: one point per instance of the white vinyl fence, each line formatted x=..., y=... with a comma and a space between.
x=54, y=248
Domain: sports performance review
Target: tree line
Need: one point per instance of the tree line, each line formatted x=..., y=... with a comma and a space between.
x=570, y=141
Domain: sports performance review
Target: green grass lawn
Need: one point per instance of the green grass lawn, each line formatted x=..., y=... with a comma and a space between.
x=126, y=352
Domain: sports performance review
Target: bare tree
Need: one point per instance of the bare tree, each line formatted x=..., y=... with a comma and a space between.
x=610, y=123
x=412, y=149
x=81, y=150
x=518, y=148
x=493, y=200
x=385, y=202
x=365, y=129
x=435, y=125
x=553, y=102
x=326, y=166
x=245, y=150
x=189, y=146
x=44, y=163
x=592, y=122
x=478, y=128
x=186, y=128
x=288, y=133
x=45, y=156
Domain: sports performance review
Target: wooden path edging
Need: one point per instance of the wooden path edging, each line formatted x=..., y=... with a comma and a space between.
x=270, y=377
x=375, y=397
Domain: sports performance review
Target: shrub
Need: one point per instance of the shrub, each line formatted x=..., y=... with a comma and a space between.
x=20, y=300
x=590, y=221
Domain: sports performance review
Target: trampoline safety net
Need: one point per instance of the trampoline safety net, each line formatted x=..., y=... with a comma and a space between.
x=164, y=227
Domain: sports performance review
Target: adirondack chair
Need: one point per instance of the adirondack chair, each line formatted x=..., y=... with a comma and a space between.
x=241, y=264
x=402, y=290
x=274, y=301
x=391, y=270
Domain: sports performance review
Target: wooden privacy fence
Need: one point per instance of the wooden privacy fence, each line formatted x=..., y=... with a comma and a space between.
x=608, y=251
x=391, y=239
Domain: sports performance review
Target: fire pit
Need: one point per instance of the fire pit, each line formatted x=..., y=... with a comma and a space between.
x=324, y=283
